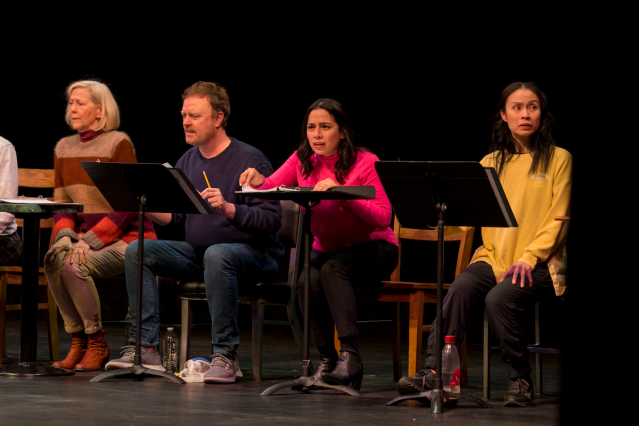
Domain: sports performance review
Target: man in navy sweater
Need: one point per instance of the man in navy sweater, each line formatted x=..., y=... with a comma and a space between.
x=236, y=243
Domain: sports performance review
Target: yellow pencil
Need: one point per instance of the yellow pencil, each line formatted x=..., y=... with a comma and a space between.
x=207, y=179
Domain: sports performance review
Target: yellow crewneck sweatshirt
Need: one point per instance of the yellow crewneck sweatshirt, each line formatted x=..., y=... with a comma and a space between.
x=535, y=201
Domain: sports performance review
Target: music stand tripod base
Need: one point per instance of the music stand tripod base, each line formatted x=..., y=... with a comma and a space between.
x=9, y=360
x=137, y=371
x=30, y=369
x=304, y=383
x=437, y=399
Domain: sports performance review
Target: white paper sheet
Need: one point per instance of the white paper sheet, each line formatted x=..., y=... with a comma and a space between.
x=33, y=201
x=247, y=188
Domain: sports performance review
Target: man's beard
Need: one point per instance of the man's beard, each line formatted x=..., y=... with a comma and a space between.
x=200, y=141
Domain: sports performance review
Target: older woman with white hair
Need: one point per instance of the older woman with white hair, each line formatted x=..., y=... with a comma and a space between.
x=91, y=244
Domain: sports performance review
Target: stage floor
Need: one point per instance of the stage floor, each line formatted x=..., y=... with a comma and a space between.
x=158, y=401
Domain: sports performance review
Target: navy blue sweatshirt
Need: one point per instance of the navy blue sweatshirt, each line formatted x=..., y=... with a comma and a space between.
x=256, y=222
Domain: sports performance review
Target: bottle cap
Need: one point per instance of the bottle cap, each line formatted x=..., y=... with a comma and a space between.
x=171, y=329
x=449, y=339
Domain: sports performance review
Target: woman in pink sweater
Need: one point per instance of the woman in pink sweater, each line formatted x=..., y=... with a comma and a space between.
x=354, y=245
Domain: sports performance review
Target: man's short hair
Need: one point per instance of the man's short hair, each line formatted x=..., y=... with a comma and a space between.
x=215, y=94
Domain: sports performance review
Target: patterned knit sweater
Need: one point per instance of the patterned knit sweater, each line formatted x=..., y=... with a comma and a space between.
x=100, y=225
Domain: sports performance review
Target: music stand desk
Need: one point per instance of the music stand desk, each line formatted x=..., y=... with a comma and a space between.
x=144, y=188
x=308, y=198
x=455, y=193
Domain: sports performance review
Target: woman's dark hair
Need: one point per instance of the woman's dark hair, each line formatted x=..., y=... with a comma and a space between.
x=542, y=142
x=347, y=149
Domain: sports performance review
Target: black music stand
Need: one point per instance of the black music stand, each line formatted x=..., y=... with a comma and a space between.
x=447, y=193
x=307, y=198
x=144, y=188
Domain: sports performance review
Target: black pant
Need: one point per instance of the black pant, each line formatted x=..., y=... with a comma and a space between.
x=331, y=297
x=10, y=249
x=506, y=303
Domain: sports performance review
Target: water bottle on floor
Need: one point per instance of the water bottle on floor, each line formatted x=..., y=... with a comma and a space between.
x=450, y=365
x=170, y=351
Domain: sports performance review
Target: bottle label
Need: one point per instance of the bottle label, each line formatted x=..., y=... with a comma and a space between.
x=454, y=380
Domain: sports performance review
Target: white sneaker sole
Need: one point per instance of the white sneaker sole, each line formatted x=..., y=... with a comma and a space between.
x=117, y=365
x=211, y=380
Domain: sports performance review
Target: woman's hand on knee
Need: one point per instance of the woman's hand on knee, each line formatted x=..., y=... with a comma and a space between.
x=63, y=244
x=81, y=249
x=520, y=269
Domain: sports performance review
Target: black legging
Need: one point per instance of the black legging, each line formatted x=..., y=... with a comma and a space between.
x=506, y=303
x=331, y=298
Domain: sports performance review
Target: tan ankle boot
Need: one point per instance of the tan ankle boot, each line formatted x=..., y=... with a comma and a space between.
x=97, y=353
x=76, y=353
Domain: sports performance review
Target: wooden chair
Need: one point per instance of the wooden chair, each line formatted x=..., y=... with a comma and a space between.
x=278, y=291
x=416, y=295
x=12, y=275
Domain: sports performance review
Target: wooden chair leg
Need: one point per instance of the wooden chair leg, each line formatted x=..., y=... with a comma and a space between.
x=257, y=336
x=336, y=342
x=187, y=322
x=415, y=324
x=395, y=343
x=486, y=357
x=52, y=326
x=463, y=360
x=539, y=375
x=3, y=312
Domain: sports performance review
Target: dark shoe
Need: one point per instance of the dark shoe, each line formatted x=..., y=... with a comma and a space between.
x=79, y=343
x=419, y=382
x=520, y=392
x=97, y=354
x=325, y=365
x=349, y=371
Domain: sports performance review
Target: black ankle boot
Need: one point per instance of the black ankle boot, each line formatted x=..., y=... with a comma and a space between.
x=348, y=372
x=326, y=365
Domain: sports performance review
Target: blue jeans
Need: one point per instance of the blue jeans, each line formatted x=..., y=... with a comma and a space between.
x=221, y=266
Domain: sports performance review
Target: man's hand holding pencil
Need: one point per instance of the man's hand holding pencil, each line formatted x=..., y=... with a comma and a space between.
x=214, y=197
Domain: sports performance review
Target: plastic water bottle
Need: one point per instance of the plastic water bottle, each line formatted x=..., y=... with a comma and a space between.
x=450, y=366
x=170, y=351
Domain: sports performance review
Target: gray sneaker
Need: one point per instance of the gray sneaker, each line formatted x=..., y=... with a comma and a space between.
x=149, y=359
x=222, y=370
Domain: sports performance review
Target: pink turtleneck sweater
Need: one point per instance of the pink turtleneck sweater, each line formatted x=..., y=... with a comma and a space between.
x=341, y=224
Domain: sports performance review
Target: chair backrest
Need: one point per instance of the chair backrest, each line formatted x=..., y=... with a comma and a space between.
x=290, y=223
x=465, y=244
x=37, y=178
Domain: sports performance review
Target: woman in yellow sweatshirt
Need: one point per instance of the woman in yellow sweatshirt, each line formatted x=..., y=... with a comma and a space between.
x=515, y=267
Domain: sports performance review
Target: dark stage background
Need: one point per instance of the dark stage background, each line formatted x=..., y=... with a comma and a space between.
x=401, y=106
